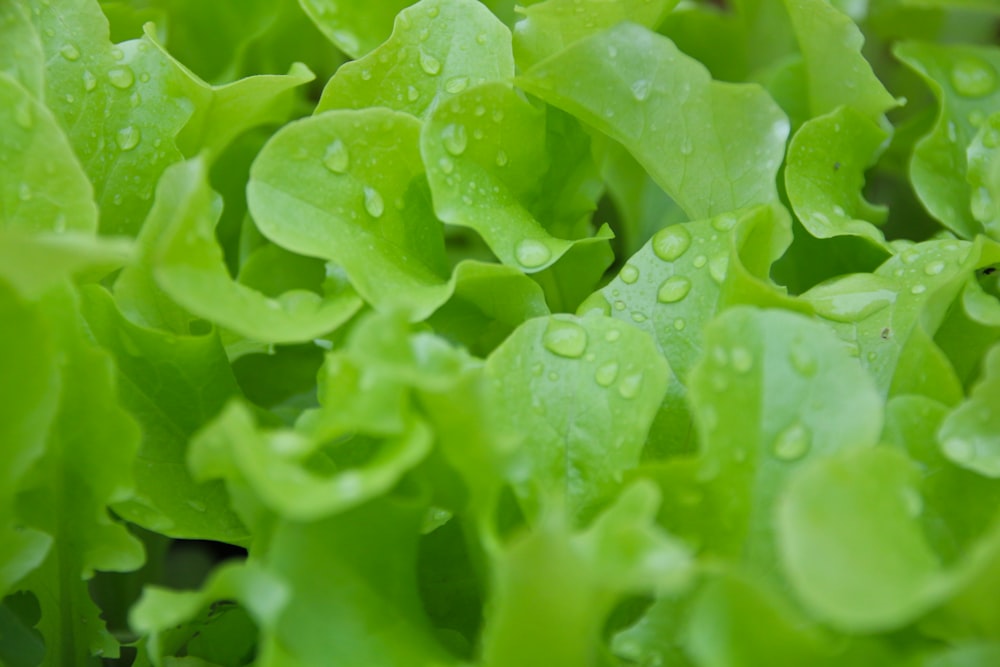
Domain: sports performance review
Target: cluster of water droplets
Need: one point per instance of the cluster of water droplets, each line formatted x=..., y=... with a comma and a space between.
x=569, y=340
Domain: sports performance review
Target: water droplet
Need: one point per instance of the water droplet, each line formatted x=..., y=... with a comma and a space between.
x=629, y=274
x=700, y=261
x=456, y=84
x=70, y=52
x=565, y=338
x=673, y=289
x=612, y=52
x=144, y=77
x=619, y=305
x=128, y=137
x=639, y=317
x=918, y=289
x=671, y=243
x=630, y=385
x=373, y=202
x=742, y=359
x=802, y=360
x=117, y=53
x=686, y=147
x=724, y=222
x=446, y=165
x=454, y=138
x=429, y=64
x=640, y=89
x=121, y=77
x=973, y=77
x=89, y=80
x=412, y=94
x=531, y=253
x=679, y=324
x=934, y=268
x=612, y=335
x=606, y=373
x=718, y=266
x=366, y=74
x=912, y=501
x=792, y=443
x=24, y=192
x=337, y=158
x=481, y=38
x=502, y=158
x=959, y=450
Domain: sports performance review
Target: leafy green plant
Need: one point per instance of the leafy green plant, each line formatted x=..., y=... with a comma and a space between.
x=584, y=332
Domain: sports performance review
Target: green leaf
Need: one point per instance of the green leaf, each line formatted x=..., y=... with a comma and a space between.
x=835, y=70
x=549, y=27
x=194, y=382
x=878, y=314
x=438, y=48
x=983, y=158
x=712, y=146
x=27, y=409
x=576, y=450
x=486, y=151
x=44, y=187
x=969, y=434
x=86, y=466
x=850, y=545
x=553, y=587
x=769, y=395
x=355, y=29
x=677, y=283
x=824, y=175
x=22, y=58
x=358, y=197
x=964, y=81
x=187, y=264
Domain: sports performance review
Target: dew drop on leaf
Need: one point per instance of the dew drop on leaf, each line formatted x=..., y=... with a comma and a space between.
x=337, y=158
x=718, y=266
x=373, y=202
x=70, y=52
x=629, y=274
x=630, y=385
x=128, y=137
x=502, y=158
x=803, y=361
x=672, y=242
x=89, y=80
x=673, y=289
x=640, y=89
x=429, y=64
x=531, y=253
x=565, y=338
x=606, y=373
x=792, y=443
x=934, y=268
x=24, y=192
x=456, y=84
x=446, y=165
x=121, y=77
x=972, y=77
x=454, y=138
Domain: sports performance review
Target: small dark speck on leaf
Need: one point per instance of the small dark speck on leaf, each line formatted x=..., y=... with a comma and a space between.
x=989, y=270
x=836, y=166
x=886, y=333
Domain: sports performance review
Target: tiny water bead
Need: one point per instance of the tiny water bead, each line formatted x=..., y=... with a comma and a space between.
x=89, y=80
x=803, y=360
x=670, y=243
x=121, y=77
x=128, y=137
x=629, y=274
x=718, y=266
x=792, y=443
x=446, y=165
x=565, y=338
x=630, y=385
x=972, y=77
x=337, y=158
x=606, y=373
x=70, y=52
x=456, y=84
x=429, y=64
x=373, y=202
x=640, y=89
x=454, y=138
x=502, y=158
x=531, y=253
x=673, y=289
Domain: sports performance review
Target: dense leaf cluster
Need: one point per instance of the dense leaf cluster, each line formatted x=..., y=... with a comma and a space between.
x=583, y=332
